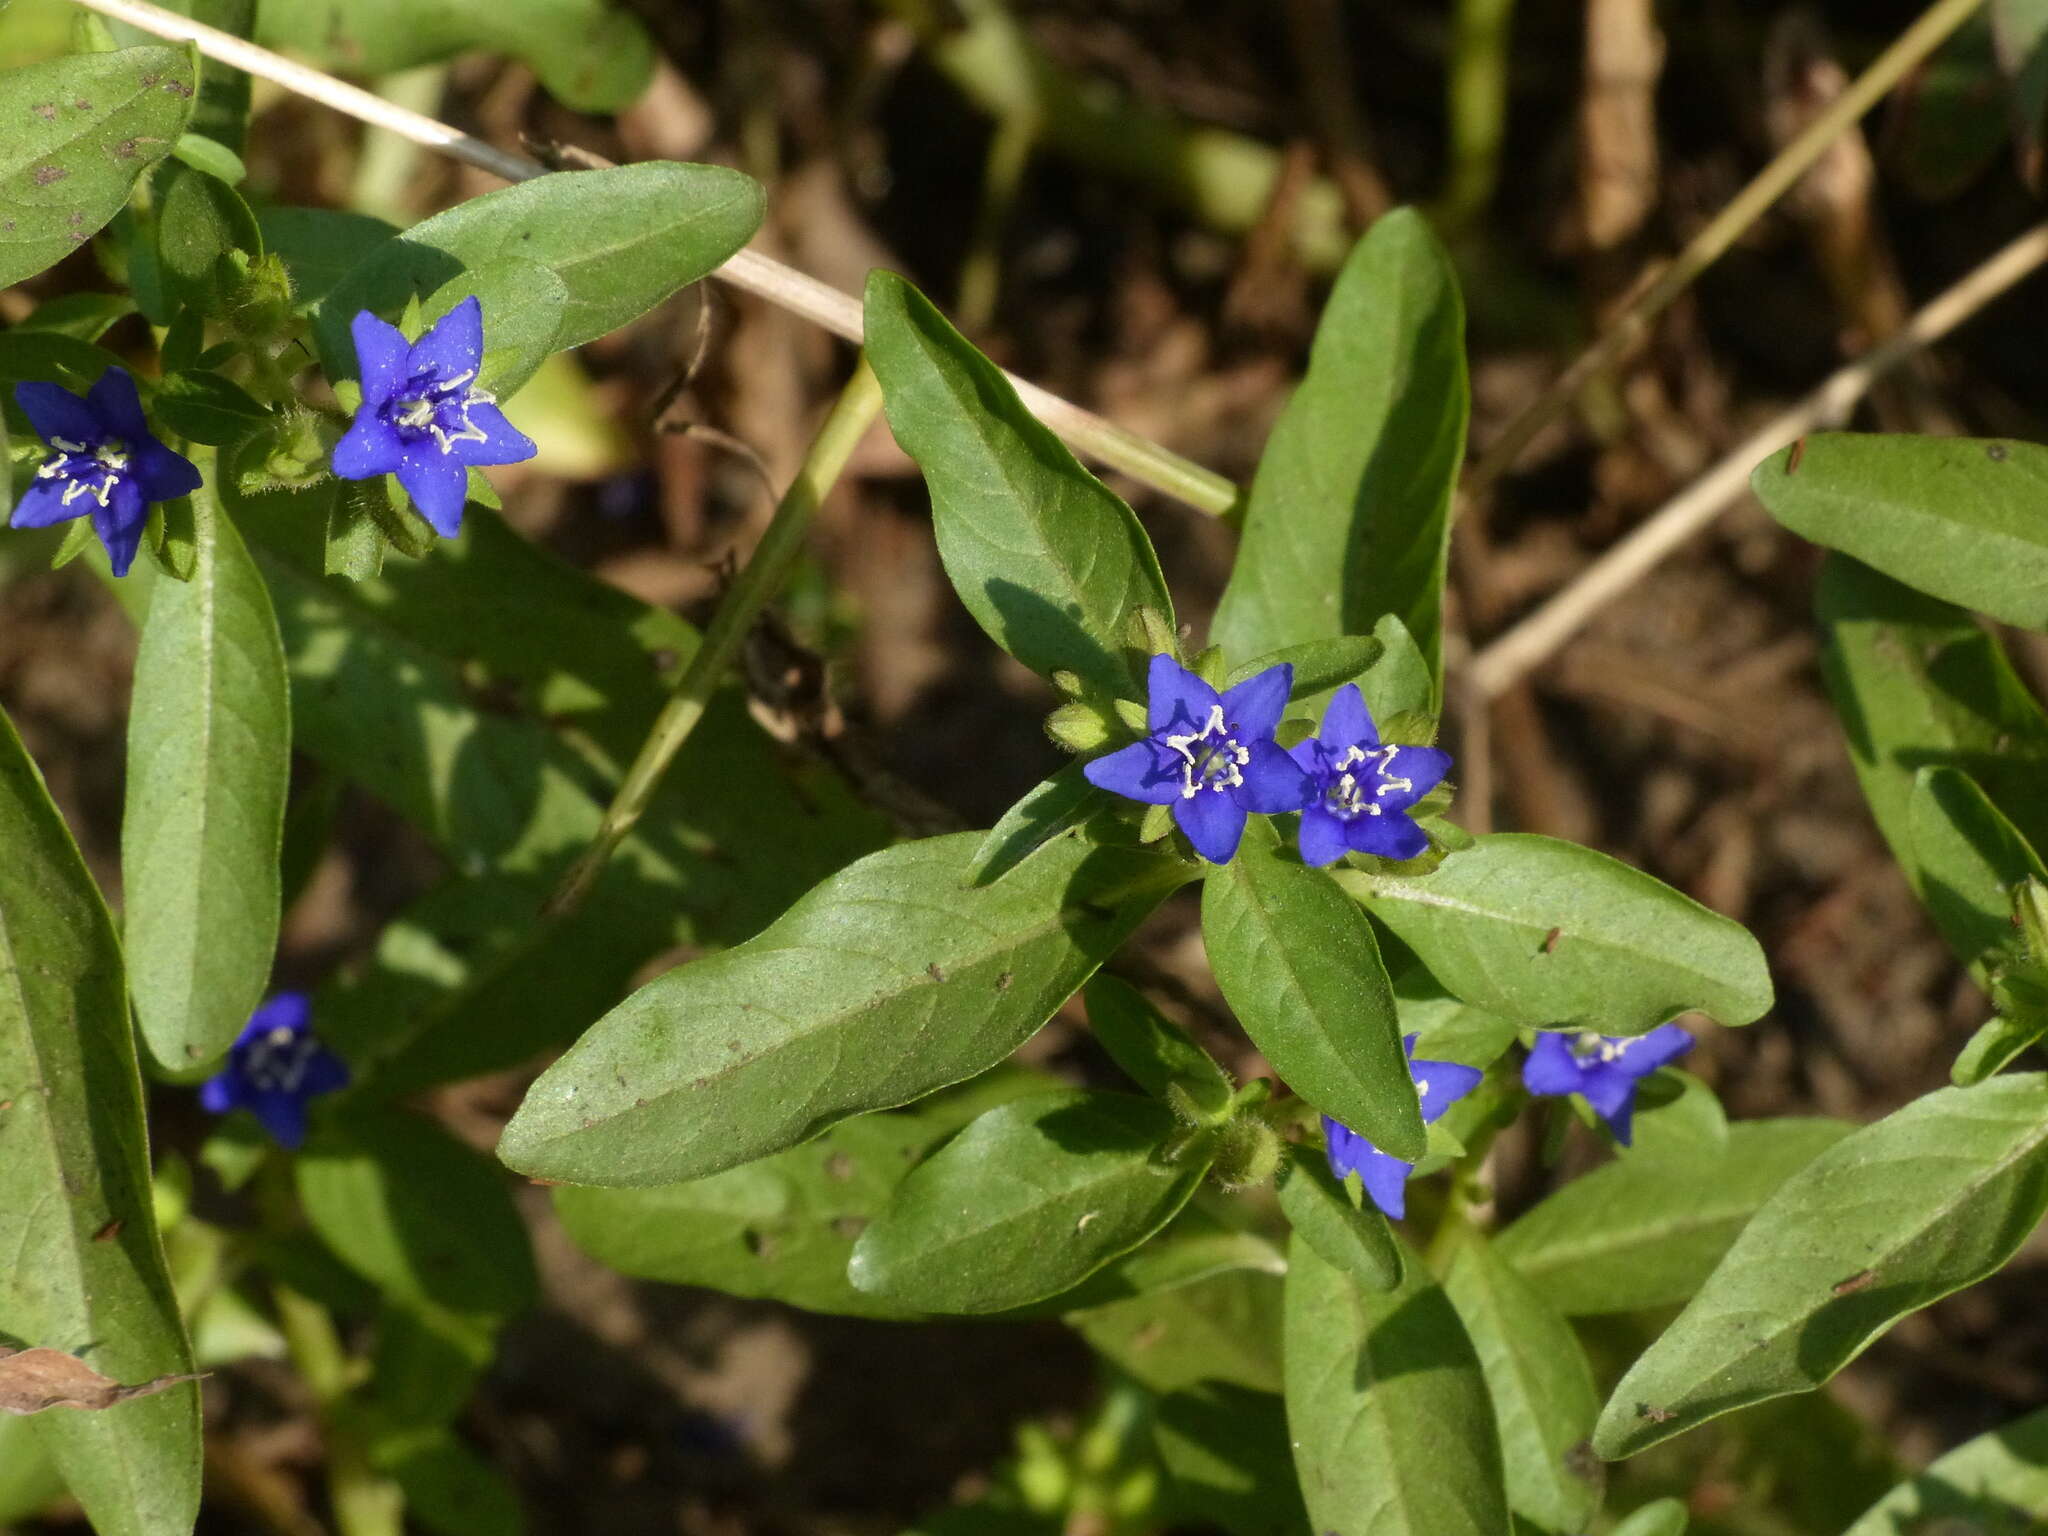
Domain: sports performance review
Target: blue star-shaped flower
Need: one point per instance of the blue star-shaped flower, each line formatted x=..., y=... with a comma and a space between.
x=1361, y=792
x=1605, y=1068
x=103, y=460
x=422, y=417
x=274, y=1067
x=1439, y=1084
x=1210, y=756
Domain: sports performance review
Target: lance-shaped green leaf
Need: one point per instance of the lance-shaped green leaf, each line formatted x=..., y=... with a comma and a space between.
x=620, y=241
x=1328, y=1216
x=1158, y=1056
x=1542, y=1388
x=1045, y=556
x=209, y=763
x=591, y=54
x=1926, y=1201
x=1298, y=964
x=319, y=246
x=1028, y=1201
x=1059, y=804
x=1970, y=857
x=1223, y=1329
x=1227, y=1454
x=85, y=1271
x=1996, y=1482
x=1660, y=1517
x=222, y=112
x=1955, y=517
x=1918, y=684
x=781, y=1227
x=422, y=1217
x=1643, y=1232
x=80, y=130
x=1549, y=933
x=1319, y=665
x=886, y=982
x=199, y=220
x=1349, y=515
x=1393, y=1433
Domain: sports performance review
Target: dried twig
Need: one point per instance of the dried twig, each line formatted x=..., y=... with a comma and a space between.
x=840, y=313
x=1530, y=641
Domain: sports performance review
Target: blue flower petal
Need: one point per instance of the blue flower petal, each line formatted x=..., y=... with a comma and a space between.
x=42, y=505
x=220, y=1093
x=455, y=343
x=1343, y=1147
x=370, y=447
x=282, y=1114
x=1442, y=1084
x=438, y=486
x=56, y=412
x=1390, y=835
x=1659, y=1048
x=1423, y=767
x=1551, y=1067
x=162, y=474
x=503, y=443
x=282, y=1010
x=1254, y=707
x=1143, y=771
x=114, y=401
x=1213, y=822
x=1323, y=838
x=1176, y=700
x=381, y=354
x=1386, y=1182
x=1273, y=781
x=120, y=523
x=325, y=1073
x=1347, y=722
x=1611, y=1090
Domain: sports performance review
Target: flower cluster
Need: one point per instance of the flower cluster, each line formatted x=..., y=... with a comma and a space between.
x=274, y=1067
x=1213, y=759
x=1605, y=1069
x=422, y=418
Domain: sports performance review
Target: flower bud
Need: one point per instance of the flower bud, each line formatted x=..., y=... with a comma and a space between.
x=2030, y=916
x=1247, y=1153
x=1149, y=630
x=1078, y=727
x=1133, y=714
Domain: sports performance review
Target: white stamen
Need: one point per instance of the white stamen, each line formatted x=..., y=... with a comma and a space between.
x=1226, y=754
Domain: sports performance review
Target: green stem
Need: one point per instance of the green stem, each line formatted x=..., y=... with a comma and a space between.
x=1476, y=95
x=758, y=581
x=1772, y=182
x=1009, y=156
x=365, y=1503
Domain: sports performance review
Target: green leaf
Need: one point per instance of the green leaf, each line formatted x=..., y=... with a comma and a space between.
x=1969, y=858
x=782, y=1227
x=1957, y=518
x=1057, y=805
x=1349, y=516
x=1319, y=665
x=211, y=156
x=1918, y=684
x=1400, y=682
x=1997, y=1482
x=320, y=246
x=1996, y=1043
x=1222, y=1329
x=1027, y=1202
x=83, y=316
x=591, y=55
x=1298, y=964
x=200, y=219
x=207, y=408
x=1327, y=1216
x=1660, y=1517
x=1552, y=934
x=1930, y=1199
x=416, y=1213
x=1049, y=561
x=81, y=130
x=85, y=1269
x=222, y=112
x=209, y=762
x=448, y=1488
x=1542, y=1388
x=1158, y=1056
x=527, y=302
x=1393, y=1434
x=28, y=1477
x=1227, y=1452
x=886, y=982
x=1642, y=1232
x=620, y=241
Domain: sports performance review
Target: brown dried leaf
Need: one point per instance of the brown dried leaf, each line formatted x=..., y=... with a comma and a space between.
x=34, y=1379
